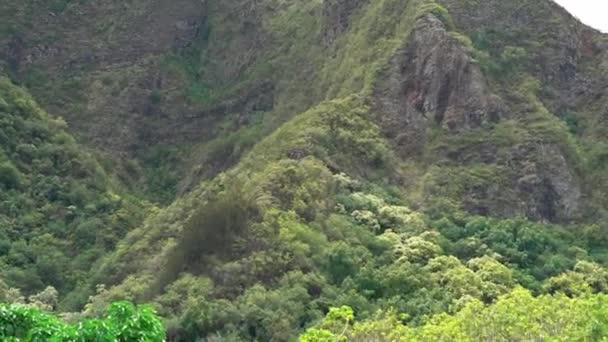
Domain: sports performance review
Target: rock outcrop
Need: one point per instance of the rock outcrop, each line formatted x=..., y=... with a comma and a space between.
x=433, y=81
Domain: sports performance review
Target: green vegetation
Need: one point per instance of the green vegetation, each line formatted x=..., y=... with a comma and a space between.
x=514, y=316
x=303, y=229
x=160, y=174
x=19, y=16
x=367, y=47
x=498, y=61
x=58, y=214
x=190, y=64
x=123, y=322
x=296, y=240
x=297, y=215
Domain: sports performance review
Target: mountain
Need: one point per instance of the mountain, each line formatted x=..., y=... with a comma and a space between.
x=245, y=165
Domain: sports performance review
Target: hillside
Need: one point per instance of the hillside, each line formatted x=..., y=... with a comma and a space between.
x=60, y=212
x=247, y=165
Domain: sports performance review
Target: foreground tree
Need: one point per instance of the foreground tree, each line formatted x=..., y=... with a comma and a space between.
x=123, y=322
x=515, y=316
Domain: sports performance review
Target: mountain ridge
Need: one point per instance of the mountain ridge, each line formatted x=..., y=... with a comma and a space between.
x=300, y=152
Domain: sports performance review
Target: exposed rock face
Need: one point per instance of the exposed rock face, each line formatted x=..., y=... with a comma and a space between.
x=433, y=80
x=14, y=54
x=337, y=15
x=111, y=54
x=126, y=98
x=133, y=33
x=554, y=189
x=545, y=189
x=559, y=53
x=569, y=60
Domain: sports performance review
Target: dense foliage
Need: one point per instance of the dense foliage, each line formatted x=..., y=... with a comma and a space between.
x=516, y=316
x=123, y=322
x=299, y=214
x=58, y=214
x=273, y=248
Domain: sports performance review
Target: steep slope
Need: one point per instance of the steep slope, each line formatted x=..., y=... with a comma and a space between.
x=58, y=211
x=194, y=86
x=415, y=115
x=180, y=75
x=93, y=63
x=537, y=51
x=409, y=154
x=103, y=67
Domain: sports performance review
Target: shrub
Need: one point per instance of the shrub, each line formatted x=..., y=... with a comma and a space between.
x=9, y=176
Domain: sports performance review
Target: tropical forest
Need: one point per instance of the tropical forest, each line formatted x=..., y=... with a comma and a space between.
x=302, y=170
